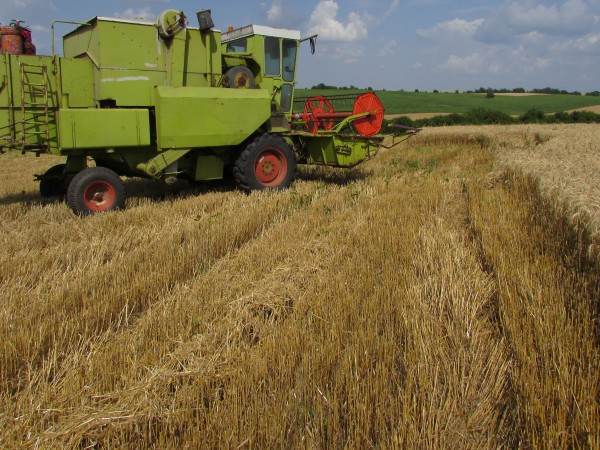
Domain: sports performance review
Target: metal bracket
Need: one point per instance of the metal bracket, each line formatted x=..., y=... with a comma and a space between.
x=156, y=166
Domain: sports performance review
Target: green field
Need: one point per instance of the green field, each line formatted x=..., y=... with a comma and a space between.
x=397, y=102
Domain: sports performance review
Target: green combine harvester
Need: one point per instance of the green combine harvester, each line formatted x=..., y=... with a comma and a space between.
x=167, y=101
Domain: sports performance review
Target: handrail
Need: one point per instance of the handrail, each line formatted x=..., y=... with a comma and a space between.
x=64, y=21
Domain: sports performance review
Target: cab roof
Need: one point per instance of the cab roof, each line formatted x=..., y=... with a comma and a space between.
x=262, y=30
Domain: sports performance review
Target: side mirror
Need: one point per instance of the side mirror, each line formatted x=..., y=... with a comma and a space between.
x=205, y=20
x=313, y=42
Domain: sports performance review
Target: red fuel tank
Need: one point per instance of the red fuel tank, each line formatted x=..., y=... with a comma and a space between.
x=12, y=40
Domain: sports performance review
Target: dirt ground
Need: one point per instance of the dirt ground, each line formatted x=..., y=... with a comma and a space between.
x=593, y=108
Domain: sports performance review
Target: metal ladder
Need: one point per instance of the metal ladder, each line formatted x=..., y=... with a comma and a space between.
x=35, y=116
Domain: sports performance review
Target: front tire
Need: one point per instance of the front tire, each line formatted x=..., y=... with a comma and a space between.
x=266, y=163
x=95, y=190
x=54, y=182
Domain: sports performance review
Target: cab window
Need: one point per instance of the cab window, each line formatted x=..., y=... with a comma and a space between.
x=289, y=59
x=272, y=57
x=237, y=46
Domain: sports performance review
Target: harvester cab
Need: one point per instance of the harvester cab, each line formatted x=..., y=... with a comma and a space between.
x=167, y=101
x=265, y=58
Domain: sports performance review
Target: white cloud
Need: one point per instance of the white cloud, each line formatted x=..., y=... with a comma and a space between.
x=389, y=49
x=533, y=37
x=496, y=67
x=542, y=63
x=588, y=43
x=29, y=5
x=142, y=13
x=514, y=19
x=275, y=12
x=344, y=51
x=455, y=27
x=393, y=7
x=584, y=45
x=470, y=64
x=324, y=22
x=572, y=16
x=39, y=29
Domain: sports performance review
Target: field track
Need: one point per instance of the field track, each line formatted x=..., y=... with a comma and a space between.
x=415, y=116
x=443, y=295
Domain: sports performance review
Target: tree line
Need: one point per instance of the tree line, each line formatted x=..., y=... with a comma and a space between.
x=485, y=116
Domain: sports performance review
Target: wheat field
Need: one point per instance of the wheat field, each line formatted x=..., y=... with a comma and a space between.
x=442, y=295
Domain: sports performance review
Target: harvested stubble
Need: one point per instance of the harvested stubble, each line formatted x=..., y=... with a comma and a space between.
x=418, y=301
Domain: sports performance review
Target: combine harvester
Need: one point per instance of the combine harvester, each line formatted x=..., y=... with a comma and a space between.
x=167, y=101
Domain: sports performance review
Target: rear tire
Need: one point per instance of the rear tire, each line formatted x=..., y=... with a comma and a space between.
x=54, y=182
x=95, y=190
x=266, y=163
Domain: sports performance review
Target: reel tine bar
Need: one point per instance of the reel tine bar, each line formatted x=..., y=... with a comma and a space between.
x=323, y=113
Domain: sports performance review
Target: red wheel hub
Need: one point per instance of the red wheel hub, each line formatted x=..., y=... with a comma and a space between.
x=270, y=167
x=314, y=109
x=99, y=195
x=371, y=124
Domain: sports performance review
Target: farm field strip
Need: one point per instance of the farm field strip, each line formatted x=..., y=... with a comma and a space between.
x=396, y=102
x=431, y=297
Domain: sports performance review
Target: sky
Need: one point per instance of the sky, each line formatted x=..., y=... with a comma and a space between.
x=443, y=45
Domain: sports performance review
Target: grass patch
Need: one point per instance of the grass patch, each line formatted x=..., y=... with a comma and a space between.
x=396, y=102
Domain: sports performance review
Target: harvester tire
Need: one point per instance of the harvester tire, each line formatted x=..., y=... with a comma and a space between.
x=268, y=162
x=94, y=190
x=54, y=182
x=239, y=77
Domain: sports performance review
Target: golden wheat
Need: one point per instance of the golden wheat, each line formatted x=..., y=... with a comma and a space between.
x=434, y=297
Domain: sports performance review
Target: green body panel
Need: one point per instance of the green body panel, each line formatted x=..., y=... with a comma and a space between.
x=103, y=128
x=129, y=59
x=336, y=150
x=209, y=167
x=207, y=117
x=77, y=77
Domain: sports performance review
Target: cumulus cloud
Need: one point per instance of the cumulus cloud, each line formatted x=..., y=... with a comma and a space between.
x=28, y=5
x=324, y=22
x=588, y=44
x=142, y=13
x=388, y=49
x=452, y=27
x=470, y=64
x=283, y=13
x=348, y=52
x=393, y=7
x=275, y=12
x=514, y=19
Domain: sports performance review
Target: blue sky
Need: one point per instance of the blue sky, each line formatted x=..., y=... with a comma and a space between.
x=390, y=44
